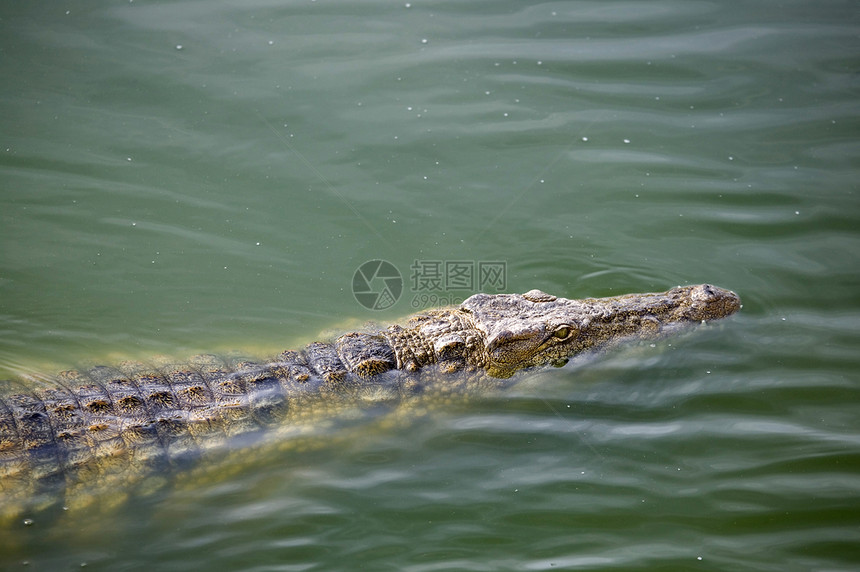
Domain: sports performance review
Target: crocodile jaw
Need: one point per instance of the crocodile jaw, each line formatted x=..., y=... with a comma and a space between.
x=535, y=328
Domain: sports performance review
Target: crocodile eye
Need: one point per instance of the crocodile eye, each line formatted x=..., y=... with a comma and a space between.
x=562, y=332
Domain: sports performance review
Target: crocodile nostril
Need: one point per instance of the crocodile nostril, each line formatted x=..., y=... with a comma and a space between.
x=705, y=292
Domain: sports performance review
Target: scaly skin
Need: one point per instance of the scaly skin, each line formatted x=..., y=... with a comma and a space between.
x=113, y=425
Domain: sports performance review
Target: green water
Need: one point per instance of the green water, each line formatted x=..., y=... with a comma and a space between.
x=178, y=177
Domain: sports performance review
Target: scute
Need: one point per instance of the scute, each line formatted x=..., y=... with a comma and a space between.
x=539, y=296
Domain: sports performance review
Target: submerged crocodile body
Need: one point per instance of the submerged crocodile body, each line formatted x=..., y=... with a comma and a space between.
x=136, y=418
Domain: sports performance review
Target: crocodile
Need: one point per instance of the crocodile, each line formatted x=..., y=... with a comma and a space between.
x=109, y=422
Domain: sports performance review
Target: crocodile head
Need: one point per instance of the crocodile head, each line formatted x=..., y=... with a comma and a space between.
x=535, y=328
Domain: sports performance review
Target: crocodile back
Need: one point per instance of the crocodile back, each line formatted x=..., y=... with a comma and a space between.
x=115, y=425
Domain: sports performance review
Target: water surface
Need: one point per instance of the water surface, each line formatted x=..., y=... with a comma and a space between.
x=184, y=177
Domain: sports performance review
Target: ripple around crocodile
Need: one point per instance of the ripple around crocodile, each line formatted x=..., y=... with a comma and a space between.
x=113, y=425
